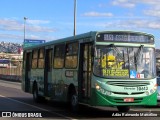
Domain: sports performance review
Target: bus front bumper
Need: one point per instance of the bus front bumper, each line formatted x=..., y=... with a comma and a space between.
x=99, y=99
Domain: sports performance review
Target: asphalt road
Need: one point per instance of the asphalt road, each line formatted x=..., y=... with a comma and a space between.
x=14, y=104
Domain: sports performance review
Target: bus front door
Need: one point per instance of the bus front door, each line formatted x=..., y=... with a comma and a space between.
x=28, y=71
x=84, y=77
x=48, y=74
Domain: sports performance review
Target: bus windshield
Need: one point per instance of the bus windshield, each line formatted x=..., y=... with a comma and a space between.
x=124, y=62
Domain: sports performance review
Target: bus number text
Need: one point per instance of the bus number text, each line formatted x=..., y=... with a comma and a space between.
x=142, y=88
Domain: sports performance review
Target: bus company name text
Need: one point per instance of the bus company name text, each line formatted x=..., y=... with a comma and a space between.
x=21, y=115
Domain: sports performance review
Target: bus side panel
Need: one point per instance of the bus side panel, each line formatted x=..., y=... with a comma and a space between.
x=61, y=80
x=58, y=81
x=37, y=75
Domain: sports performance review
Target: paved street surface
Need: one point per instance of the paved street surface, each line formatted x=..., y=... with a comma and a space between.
x=15, y=103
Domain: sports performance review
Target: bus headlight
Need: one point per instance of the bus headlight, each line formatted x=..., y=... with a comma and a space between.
x=153, y=89
x=108, y=93
x=147, y=93
x=97, y=87
x=103, y=91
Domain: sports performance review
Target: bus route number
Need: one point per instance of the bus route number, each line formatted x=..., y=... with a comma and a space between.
x=143, y=88
x=109, y=37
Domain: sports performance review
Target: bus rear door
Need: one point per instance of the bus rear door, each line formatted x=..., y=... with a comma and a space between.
x=48, y=92
x=28, y=66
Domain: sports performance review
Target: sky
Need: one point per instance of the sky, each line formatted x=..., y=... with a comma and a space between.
x=54, y=19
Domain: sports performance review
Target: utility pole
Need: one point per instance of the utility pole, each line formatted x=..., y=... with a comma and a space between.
x=25, y=27
x=75, y=5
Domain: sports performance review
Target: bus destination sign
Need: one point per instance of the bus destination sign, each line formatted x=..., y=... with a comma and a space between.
x=125, y=37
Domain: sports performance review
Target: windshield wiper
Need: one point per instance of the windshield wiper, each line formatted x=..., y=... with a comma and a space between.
x=117, y=51
x=139, y=53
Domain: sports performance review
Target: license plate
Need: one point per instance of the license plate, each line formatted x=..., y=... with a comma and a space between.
x=128, y=99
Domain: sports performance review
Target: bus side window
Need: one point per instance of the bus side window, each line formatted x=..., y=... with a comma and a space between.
x=71, y=55
x=41, y=58
x=58, y=56
x=34, y=58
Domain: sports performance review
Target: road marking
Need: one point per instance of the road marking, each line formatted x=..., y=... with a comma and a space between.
x=38, y=108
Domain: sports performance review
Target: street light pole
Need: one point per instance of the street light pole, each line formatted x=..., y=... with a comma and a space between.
x=75, y=5
x=25, y=27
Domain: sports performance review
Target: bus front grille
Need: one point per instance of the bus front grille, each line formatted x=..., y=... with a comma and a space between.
x=128, y=83
x=125, y=93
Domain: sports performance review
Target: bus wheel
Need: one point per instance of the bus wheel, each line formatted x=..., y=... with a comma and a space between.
x=36, y=97
x=123, y=108
x=74, y=102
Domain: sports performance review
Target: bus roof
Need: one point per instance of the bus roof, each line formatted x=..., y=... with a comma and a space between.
x=72, y=38
x=80, y=36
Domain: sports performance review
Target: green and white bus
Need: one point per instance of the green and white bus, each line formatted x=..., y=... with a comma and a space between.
x=106, y=68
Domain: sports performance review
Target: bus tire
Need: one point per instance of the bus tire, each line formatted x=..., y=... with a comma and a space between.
x=74, y=102
x=123, y=108
x=36, y=97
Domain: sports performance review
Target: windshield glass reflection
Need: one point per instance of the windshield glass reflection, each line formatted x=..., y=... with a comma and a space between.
x=124, y=62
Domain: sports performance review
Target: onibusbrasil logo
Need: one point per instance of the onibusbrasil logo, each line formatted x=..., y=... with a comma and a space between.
x=22, y=114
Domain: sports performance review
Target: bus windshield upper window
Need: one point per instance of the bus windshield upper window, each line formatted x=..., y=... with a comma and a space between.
x=71, y=48
x=59, y=56
x=34, y=58
x=41, y=58
x=35, y=54
x=71, y=55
